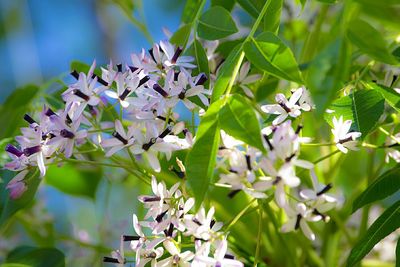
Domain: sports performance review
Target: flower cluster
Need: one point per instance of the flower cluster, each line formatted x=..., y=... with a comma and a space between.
x=274, y=173
x=144, y=95
x=176, y=236
x=147, y=92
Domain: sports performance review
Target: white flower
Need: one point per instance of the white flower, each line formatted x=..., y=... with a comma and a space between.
x=66, y=135
x=121, y=140
x=285, y=107
x=152, y=142
x=219, y=259
x=243, y=79
x=173, y=56
x=127, y=83
x=187, y=87
x=146, y=255
x=278, y=178
x=84, y=92
x=117, y=256
x=342, y=137
x=177, y=257
x=305, y=101
x=159, y=203
x=298, y=218
x=202, y=225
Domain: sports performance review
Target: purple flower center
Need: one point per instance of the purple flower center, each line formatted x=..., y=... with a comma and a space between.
x=67, y=134
x=81, y=95
x=32, y=150
x=13, y=150
x=159, y=90
x=203, y=78
x=120, y=138
x=176, y=55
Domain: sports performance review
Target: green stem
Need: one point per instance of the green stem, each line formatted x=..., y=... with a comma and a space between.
x=394, y=138
x=326, y=156
x=260, y=221
x=241, y=56
x=239, y=215
x=196, y=18
x=95, y=163
x=318, y=144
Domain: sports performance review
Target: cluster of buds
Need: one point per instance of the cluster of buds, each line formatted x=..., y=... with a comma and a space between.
x=176, y=236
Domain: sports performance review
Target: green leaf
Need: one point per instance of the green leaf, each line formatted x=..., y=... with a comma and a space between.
x=272, y=17
x=127, y=6
x=225, y=73
x=8, y=207
x=328, y=72
x=83, y=67
x=227, y=4
x=238, y=119
x=249, y=7
x=216, y=23
x=369, y=41
x=190, y=10
x=382, y=227
x=201, y=159
x=70, y=179
x=364, y=108
x=201, y=60
x=385, y=11
x=36, y=257
x=14, y=108
x=384, y=186
x=269, y=53
x=181, y=36
x=390, y=95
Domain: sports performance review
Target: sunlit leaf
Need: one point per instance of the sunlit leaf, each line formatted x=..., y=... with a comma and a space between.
x=382, y=227
x=216, y=23
x=190, y=10
x=390, y=95
x=238, y=119
x=382, y=187
x=272, y=17
x=364, y=108
x=181, y=36
x=36, y=257
x=269, y=53
x=197, y=50
x=369, y=41
x=225, y=73
x=201, y=159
